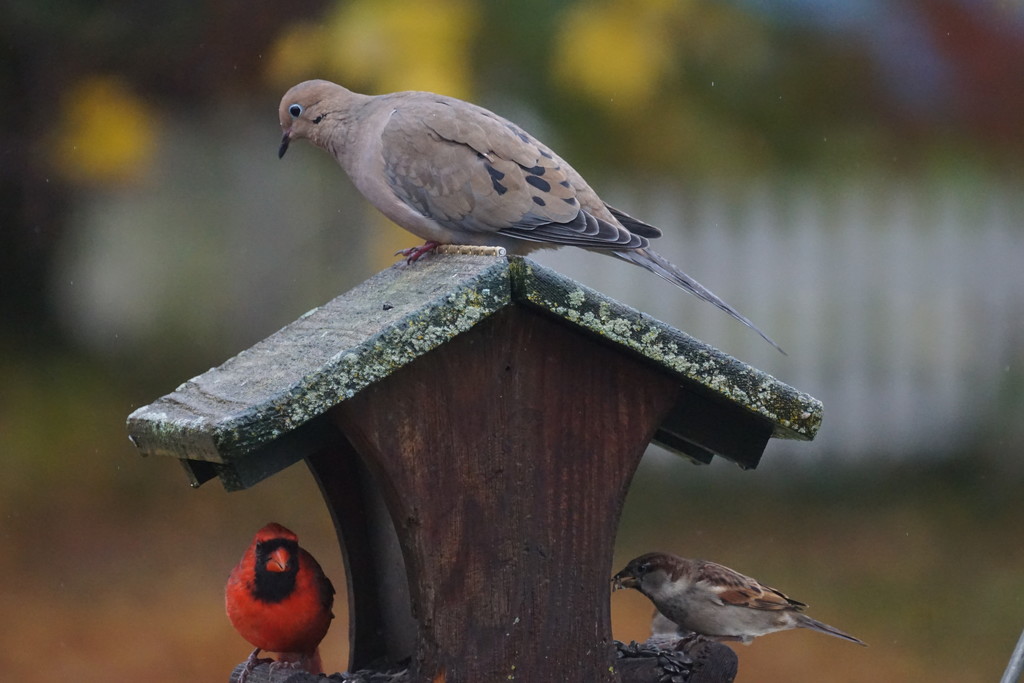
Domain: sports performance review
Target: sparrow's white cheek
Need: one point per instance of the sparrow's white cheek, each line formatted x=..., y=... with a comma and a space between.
x=661, y=588
x=674, y=589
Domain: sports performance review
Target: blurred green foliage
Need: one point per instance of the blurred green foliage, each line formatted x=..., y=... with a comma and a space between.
x=642, y=88
x=637, y=88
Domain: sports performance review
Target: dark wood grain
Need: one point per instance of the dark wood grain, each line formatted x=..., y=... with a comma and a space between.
x=504, y=458
x=378, y=635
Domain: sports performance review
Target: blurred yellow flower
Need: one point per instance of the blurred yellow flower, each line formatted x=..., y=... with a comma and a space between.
x=401, y=45
x=618, y=53
x=297, y=55
x=383, y=45
x=105, y=134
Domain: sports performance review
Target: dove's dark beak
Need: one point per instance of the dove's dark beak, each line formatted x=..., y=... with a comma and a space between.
x=284, y=144
x=621, y=581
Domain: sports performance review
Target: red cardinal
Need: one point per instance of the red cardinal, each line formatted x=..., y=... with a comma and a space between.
x=279, y=599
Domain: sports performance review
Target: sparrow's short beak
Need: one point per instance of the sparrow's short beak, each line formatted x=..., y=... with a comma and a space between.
x=621, y=581
x=284, y=143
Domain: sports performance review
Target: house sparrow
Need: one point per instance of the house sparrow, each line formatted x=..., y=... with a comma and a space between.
x=715, y=601
x=279, y=600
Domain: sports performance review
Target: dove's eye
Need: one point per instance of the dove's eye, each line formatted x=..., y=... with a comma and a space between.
x=295, y=110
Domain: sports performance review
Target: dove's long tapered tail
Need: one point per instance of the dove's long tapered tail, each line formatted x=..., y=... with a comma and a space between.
x=805, y=621
x=659, y=265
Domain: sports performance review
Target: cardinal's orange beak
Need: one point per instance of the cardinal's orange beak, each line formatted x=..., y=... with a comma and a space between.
x=278, y=561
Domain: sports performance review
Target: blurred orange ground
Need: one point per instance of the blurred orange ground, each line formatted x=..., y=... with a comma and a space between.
x=114, y=568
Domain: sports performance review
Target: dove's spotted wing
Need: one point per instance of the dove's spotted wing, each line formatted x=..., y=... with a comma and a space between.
x=473, y=171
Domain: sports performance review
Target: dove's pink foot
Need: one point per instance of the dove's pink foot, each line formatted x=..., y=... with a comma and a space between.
x=413, y=254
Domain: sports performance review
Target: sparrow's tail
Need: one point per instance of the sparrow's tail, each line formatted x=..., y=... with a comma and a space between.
x=804, y=621
x=659, y=265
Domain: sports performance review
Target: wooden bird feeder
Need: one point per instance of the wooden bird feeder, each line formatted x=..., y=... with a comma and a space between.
x=473, y=422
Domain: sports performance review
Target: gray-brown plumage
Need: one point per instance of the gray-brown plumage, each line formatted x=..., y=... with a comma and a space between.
x=715, y=601
x=451, y=172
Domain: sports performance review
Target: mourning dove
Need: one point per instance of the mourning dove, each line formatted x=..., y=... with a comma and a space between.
x=451, y=172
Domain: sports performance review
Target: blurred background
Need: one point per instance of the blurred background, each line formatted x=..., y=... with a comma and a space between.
x=847, y=173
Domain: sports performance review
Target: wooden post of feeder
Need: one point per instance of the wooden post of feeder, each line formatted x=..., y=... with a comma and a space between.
x=474, y=422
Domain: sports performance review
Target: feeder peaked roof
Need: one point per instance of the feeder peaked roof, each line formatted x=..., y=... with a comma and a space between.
x=252, y=415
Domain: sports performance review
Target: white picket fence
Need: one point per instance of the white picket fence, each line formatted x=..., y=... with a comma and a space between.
x=901, y=305
x=900, y=302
